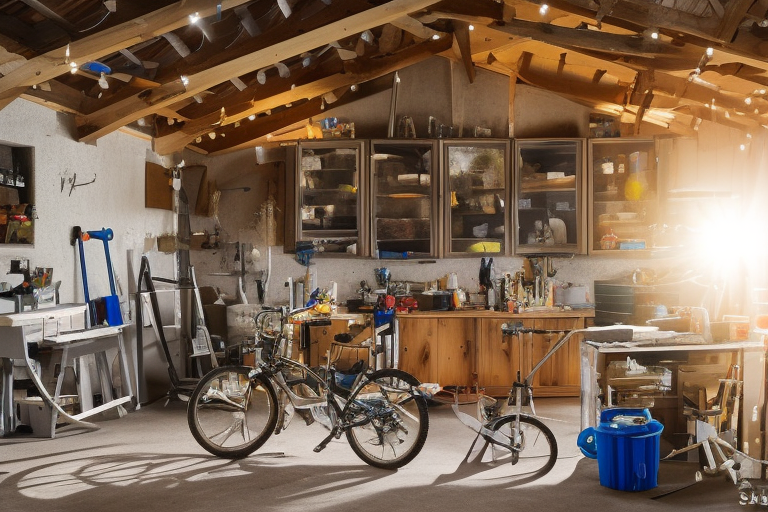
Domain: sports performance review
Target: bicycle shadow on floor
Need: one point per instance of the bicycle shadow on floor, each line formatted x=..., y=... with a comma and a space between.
x=474, y=465
x=83, y=483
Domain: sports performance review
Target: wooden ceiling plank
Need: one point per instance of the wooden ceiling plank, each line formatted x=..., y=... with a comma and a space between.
x=55, y=63
x=353, y=73
x=110, y=119
x=50, y=14
x=415, y=27
x=530, y=72
x=588, y=39
x=635, y=13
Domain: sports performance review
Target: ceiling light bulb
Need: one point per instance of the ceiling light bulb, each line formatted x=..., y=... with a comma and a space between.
x=742, y=147
x=762, y=91
x=252, y=117
x=184, y=80
x=212, y=135
x=353, y=87
x=436, y=37
x=749, y=135
x=471, y=27
x=654, y=35
x=543, y=9
x=710, y=52
x=103, y=81
x=194, y=18
x=748, y=100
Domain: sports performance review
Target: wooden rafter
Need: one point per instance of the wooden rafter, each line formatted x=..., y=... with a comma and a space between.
x=244, y=135
x=94, y=126
x=735, y=11
x=462, y=48
x=55, y=63
x=282, y=93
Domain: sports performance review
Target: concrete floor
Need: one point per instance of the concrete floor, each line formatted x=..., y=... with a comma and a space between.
x=149, y=461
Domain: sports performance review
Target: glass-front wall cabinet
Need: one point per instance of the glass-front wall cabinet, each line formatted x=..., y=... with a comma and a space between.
x=476, y=174
x=405, y=206
x=623, y=195
x=548, y=196
x=330, y=208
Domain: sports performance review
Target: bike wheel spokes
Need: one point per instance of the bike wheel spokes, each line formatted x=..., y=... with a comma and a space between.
x=532, y=449
x=231, y=415
x=391, y=422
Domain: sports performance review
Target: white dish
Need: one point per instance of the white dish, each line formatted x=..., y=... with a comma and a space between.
x=626, y=215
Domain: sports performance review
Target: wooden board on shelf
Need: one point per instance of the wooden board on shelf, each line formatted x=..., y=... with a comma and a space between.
x=541, y=184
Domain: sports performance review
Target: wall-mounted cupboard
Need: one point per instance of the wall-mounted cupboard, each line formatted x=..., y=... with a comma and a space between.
x=331, y=209
x=405, y=199
x=423, y=198
x=549, y=202
x=623, y=195
x=476, y=196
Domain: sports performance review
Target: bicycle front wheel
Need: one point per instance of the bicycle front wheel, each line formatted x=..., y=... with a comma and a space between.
x=389, y=420
x=535, y=448
x=230, y=414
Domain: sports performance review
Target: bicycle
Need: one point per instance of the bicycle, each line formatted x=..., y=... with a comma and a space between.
x=514, y=435
x=234, y=410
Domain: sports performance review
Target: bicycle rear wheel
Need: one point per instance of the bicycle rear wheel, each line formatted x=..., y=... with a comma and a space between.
x=537, y=448
x=230, y=414
x=391, y=420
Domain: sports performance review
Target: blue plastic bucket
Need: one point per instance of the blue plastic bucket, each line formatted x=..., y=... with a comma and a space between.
x=627, y=451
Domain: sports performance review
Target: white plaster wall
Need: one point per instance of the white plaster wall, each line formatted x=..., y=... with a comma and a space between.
x=115, y=200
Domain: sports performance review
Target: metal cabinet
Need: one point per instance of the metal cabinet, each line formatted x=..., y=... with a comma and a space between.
x=623, y=195
x=476, y=195
x=405, y=202
x=550, y=214
x=332, y=210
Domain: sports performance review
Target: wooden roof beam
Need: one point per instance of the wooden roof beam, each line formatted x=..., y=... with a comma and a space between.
x=461, y=48
x=238, y=137
x=735, y=11
x=55, y=63
x=353, y=72
x=530, y=72
x=94, y=126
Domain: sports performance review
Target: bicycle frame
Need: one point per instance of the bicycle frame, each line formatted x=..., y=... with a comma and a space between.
x=493, y=418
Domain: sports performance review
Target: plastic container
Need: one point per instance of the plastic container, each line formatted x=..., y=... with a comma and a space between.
x=626, y=446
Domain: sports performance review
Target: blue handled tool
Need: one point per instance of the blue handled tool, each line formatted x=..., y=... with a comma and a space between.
x=112, y=302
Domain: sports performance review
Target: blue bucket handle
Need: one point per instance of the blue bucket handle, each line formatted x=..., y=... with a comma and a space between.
x=587, y=442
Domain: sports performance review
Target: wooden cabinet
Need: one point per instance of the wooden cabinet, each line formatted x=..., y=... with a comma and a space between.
x=501, y=357
x=320, y=338
x=438, y=350
x=467, y=348
x=330, y=214
x=623, y=195
x=405, y=208
x=477, y=181
x=549, y=205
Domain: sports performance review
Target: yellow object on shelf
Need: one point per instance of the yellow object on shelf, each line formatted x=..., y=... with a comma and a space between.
x=485, y=247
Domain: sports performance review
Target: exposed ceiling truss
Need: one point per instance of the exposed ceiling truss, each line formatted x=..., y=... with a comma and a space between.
x=215, y=76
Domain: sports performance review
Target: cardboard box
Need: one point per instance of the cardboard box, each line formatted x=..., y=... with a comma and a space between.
x=729, y=331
